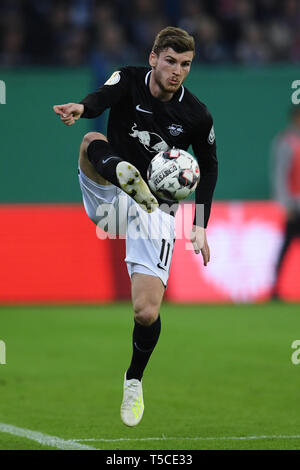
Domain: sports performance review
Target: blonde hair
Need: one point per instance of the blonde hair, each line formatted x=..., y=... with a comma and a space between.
x=176, y=38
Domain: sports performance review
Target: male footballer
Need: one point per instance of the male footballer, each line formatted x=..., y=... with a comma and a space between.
x=150, y=111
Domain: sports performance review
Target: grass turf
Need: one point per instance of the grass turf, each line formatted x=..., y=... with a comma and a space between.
x=217, y=372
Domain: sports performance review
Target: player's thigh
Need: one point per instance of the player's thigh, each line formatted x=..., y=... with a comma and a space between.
x=105, y=205
x=147, y=294
x=149, y=243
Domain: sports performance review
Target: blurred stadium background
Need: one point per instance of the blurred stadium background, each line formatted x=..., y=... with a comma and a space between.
x=51, y=52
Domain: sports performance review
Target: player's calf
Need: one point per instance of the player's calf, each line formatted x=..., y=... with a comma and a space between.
x=117, y=171
x=102, y=157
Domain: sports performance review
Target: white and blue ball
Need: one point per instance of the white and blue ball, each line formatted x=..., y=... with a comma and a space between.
x=173, y=175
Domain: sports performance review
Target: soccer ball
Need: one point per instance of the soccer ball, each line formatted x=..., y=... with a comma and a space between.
x=173, y=175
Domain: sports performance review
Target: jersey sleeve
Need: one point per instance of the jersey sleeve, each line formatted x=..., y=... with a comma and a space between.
x=113, y=90
x=205, y=150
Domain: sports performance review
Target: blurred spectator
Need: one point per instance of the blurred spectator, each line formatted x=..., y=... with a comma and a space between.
x=252, y=32
x=280, y=39
x=59, y=29
x=209, y=46
x=253, y=48
x=13, y=35
x=74, y=48
x=81, y=12
x=192, y=13
x=233, y=16
x=12, y=53
x=291, y=20
x=111, y=47
x=146, y=20
x=103, y=14
x=295, y=49
x=285, y=168
x=291, y=14
x=267, y=10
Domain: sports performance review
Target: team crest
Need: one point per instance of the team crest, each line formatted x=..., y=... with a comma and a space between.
x=175, y=129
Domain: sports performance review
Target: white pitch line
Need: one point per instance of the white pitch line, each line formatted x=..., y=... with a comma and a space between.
x=164, y=438
x=44, y=439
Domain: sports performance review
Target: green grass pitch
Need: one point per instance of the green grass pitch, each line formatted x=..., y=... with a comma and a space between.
x=218, y=374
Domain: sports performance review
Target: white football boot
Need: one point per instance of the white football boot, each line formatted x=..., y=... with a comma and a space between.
x=132, y=407
x=133, y=184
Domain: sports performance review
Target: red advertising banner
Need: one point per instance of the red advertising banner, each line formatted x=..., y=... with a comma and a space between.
x=244, y=239
x=50, y=254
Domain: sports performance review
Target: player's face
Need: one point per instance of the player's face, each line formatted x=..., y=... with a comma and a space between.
x=170, y=69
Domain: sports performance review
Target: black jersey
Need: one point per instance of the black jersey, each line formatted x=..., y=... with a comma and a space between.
x=141, y=125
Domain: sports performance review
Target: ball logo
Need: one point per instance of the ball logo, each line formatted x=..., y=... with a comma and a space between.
x=172, y=168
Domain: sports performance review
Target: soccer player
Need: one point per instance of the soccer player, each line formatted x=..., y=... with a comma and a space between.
x=285, y=166
x=150, y=111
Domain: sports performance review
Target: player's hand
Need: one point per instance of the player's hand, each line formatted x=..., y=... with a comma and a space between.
x=69, y=113
x=199, y=242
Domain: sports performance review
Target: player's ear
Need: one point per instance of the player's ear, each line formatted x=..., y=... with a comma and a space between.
x=153, y=59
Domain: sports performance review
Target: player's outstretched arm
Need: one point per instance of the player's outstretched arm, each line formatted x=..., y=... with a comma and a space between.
x=69, y=113
x=199, y=242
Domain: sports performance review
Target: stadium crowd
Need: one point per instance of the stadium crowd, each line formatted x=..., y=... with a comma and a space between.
x=105, y=33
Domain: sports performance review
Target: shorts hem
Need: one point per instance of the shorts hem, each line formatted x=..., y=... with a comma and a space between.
x=90, y=183
x=137, y=267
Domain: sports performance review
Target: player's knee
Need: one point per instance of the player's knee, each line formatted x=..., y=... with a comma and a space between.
x=90, y=136
x=146, y=315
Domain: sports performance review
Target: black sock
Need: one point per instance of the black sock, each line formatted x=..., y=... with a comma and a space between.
x=144, y=340
x=101, y=155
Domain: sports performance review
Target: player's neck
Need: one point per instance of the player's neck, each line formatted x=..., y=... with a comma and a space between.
x=157, y=91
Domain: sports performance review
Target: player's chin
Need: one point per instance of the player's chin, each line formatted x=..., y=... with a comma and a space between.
x=173, y=87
